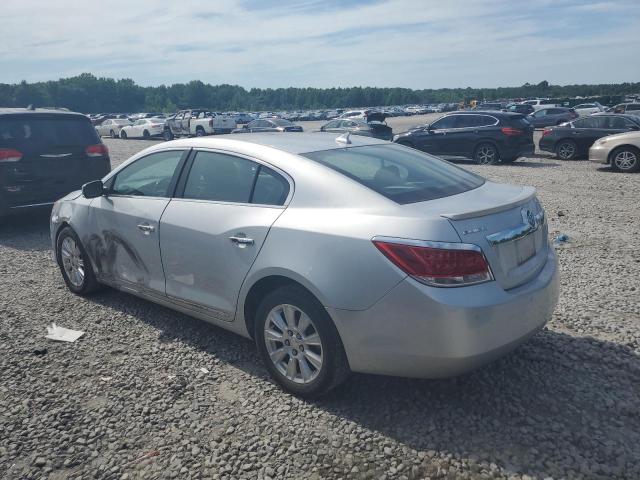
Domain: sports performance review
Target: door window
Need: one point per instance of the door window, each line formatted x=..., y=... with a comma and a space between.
x=540, y=113
x=444, y=122
x=220, y=177
x=148, y=176
x=333, y=124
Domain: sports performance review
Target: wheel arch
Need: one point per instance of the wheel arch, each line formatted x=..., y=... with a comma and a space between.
x=250, y=301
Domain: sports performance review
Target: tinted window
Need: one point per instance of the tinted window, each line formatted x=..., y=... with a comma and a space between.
x=148, y=176
x=401, y=174
x=270, y=189
x=281, y=123
x=30, y=134
x=444, y=122
x=633, y=107
x=465, y=121
x=333, y=124
x=619, y=122
x=220, y=177
x=592, y=122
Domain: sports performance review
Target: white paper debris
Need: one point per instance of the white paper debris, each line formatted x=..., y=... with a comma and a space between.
x=204, y=370
x=62, y=334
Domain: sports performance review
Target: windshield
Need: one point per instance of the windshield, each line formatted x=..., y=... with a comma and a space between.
x=399, y=173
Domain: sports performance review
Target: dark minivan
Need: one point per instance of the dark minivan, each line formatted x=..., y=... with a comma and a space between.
x=46, y=154
x=486, y=137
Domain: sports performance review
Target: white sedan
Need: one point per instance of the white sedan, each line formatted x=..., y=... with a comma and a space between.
x=585, y=109
x=111, y=127
x=143, y=128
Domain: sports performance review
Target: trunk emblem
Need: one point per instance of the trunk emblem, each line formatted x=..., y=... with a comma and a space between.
x=474, y=230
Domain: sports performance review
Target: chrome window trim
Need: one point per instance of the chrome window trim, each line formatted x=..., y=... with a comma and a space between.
x=497, y=121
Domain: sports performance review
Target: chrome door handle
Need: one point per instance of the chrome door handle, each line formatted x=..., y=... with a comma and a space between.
x=241, y=241
x=146, y=228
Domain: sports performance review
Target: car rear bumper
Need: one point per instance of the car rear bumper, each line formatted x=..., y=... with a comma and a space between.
x=599, y=154
x=515, y=151
x=427, y=332
x=547, y=144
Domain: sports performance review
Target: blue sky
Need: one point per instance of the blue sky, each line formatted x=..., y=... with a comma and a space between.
x=324, y=43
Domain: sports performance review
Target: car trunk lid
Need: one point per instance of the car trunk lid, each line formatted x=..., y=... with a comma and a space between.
x=505, y=221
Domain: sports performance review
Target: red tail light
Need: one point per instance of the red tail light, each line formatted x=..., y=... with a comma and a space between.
x=98, y=150
x=438, y=264
x=512, y=132
x=9, y=155
x=546, y=131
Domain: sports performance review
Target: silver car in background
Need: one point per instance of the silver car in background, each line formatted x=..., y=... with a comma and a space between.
x=333, y=254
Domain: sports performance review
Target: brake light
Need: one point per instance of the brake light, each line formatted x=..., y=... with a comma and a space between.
x=546, y=131
x=512, y=132
x=98, y=150
x=9, y=155
x=438, y=264
x=211, y=122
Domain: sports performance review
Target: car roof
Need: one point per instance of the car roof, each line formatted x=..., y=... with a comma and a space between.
x=290, y=142
x=36, y=111
x=487, y=112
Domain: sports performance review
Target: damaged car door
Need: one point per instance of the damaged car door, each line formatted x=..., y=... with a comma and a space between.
x=125, y=244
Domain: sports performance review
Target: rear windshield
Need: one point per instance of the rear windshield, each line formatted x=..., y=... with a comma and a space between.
x=29, y=133
x=399, y=173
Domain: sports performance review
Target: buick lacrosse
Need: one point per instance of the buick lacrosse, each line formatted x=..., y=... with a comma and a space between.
x=335, y=255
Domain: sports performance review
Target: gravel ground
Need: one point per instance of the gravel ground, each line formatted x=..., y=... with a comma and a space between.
x=128, y=400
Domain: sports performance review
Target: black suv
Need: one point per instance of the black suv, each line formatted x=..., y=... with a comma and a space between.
x=44, y=155
x=484, y=136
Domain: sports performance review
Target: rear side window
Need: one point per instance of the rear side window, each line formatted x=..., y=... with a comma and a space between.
x=270, y=188
x=30, y=133
x=401, y=174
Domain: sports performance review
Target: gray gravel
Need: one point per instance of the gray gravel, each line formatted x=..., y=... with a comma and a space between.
x=128, y=400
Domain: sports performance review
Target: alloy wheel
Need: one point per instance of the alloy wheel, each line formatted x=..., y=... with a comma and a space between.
x=293, y=343
x=625, y=160
x=486, y=155
x=72, y=262
x=566, y=150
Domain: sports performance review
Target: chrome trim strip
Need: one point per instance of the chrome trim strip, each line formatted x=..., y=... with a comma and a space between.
x=56, y=155
x=518, y=232
x=428, y=243
x=33, y=205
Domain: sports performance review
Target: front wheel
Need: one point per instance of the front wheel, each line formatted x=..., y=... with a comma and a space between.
x=167, y=134
x=123, y=134
x=146, y=135
x=566, y=150
x=74, y=263
x=486, y=154
x=299, y=343
x=626, y=159
x=200, y=132
x=112, y=134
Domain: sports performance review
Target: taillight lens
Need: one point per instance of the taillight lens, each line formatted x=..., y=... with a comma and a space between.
x=98, y=150
x=546, y=131
x=9, y=155
x=512, y=132
x=438, y=264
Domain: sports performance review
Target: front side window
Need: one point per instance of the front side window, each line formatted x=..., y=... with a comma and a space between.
x=148, y=176
x=398, y=173
x=444, y=122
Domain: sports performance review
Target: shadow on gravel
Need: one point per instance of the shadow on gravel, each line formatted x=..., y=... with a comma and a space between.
x=558, y=402
x=28, y=231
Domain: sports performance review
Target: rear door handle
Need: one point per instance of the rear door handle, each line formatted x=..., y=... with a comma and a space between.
x=146, y=228
x=241, y=241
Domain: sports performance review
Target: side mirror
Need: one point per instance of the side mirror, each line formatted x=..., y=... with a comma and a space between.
x=93, y=189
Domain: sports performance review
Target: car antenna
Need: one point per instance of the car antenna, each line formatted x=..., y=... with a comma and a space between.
x=344, y=138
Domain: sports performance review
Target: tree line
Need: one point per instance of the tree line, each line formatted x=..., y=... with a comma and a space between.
x=90, y=94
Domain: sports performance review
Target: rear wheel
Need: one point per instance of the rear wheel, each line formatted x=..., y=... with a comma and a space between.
x=74, y=263
x=123, y=134
x=566, y=150
x=146, y=135
x=112, y=134
x=167, y=135
x=299, y=343
x=199, y=132
x=486, y=154
x=625, y=159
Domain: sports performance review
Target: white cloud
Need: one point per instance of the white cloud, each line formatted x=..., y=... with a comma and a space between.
x=418, y=44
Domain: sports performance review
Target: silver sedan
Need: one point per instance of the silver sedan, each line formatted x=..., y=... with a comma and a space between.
x=334, y=254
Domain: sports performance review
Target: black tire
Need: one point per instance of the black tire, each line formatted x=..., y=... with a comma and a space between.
x=200, y=132
x=123, y=135
x=625, y=159
x=112, y=134
x=146, y=135
x=167, y=134
x=89, y=284
x=566, y=149
x=335, y=367
x=486, y=153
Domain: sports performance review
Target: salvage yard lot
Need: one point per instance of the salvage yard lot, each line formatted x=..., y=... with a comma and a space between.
x=130, y=398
